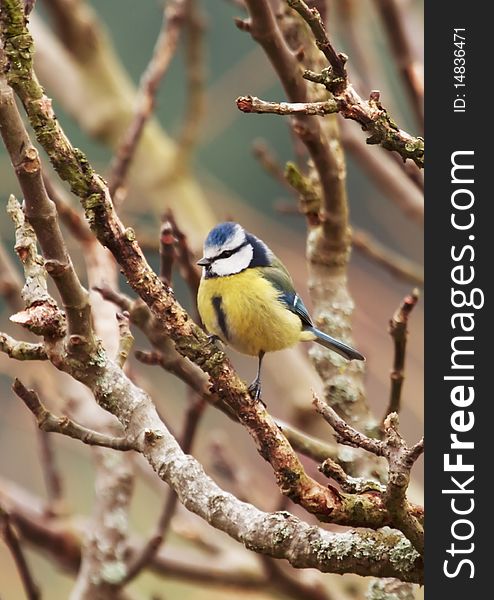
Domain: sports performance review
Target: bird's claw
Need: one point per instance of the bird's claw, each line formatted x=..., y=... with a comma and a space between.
x=212, y=339
x=254, y=390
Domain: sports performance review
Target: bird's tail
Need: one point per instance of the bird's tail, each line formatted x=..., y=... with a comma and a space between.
x=333, y=344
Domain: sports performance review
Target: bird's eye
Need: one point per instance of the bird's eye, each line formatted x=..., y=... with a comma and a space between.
x=226, y=254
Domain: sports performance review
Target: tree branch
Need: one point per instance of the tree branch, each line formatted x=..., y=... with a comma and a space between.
x=410, y=69
x=51, y=475
x=21, y=350
x=398, y=329
x=156, y=443
x=400, y=461
x=189, y=340
x=167, y=252
x=41, y=315
x=264, y=29
x=7, y=532
x=126, y=339
x=370, y=114
x=149, y=550
x=336, y=60
x=252, y=104
x=394, y=263
x=163, y=53
x=194, y=28
x=50, y=423
x=41, y=213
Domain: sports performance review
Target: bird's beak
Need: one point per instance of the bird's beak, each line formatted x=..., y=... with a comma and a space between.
x=204, y=262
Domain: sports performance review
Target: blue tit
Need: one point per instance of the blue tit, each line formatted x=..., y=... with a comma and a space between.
x=247, y=299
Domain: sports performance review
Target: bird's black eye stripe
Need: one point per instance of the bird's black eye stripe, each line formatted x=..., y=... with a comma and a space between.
x=228, y=253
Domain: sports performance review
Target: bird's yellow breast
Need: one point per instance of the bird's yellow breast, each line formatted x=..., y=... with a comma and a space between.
x=245, y=312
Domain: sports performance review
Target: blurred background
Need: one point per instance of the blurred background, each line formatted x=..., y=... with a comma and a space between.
x=224, y=180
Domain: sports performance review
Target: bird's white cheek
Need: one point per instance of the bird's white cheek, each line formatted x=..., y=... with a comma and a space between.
x=233, y=264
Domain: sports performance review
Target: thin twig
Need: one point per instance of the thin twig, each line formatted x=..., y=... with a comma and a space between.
x=400, y=460
x=267, y=159
x=345, y=433
x=20, y=350
x=252, y=104
x=41, y=315
x=186, y=259
x=68, y=214
x=126, y=339
x=337, y=60
x=352, y=485
x=392, y=261
x=265, y=30
x=163, y=53
x=51, y=474
x=370, y=114
x=410, y=69
x=398, y=330
x=388, y=172
x=41, y=213
x=49, y=422
x=7, y=532
x=194, y=28
x=167, y=252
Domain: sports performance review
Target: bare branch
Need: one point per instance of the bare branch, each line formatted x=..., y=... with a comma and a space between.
x=167, y=252
x=41, y=213
x=252, y=104
x=269, y=161
x=400, y=461
x=41, y=315
x=126, y=339
x=69, y=216
x=394, y=263
x=21, y=350
x=410, y=69
x=12, y=542
x=186, y=259
x=49, y=422
x=336, y=60
x=194, y=28
x=62, y=540
x=51, y=475
x=188, y=338
x=346, y=434
x=309, y=204
x=398, y=329
x=388, y=173
x=163, y=53
x=149, y=550
x=370, y=114
x=264, y=29
x=352, y=485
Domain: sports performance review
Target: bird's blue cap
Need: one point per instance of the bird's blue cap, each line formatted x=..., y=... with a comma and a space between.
x=221, y=233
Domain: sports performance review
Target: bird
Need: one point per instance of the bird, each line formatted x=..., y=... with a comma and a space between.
x=246, y=299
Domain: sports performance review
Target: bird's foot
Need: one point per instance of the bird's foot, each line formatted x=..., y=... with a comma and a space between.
x=255, y=391
x=212, y=339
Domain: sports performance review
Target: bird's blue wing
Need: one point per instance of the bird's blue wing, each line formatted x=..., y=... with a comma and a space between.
x=295, y=303
x=279, y=278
